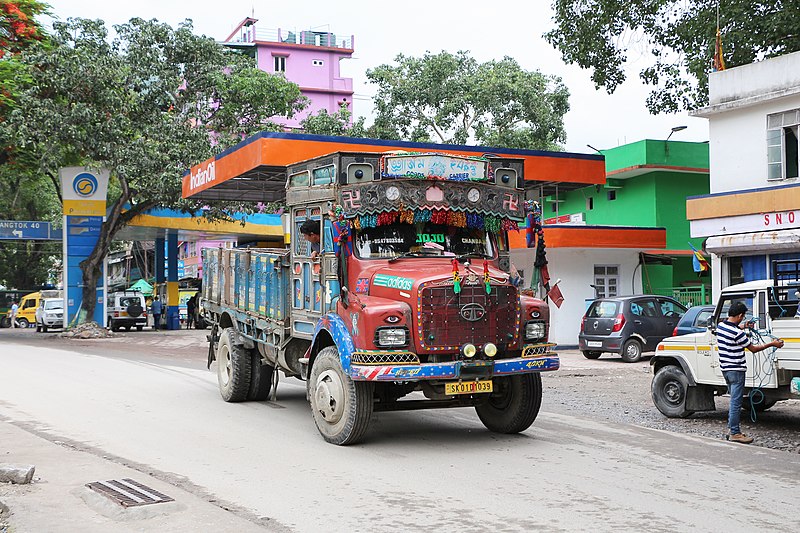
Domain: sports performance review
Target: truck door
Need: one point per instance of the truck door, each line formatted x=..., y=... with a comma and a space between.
x=307, y=275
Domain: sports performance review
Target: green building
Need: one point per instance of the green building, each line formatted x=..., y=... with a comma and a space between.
x=647, y=183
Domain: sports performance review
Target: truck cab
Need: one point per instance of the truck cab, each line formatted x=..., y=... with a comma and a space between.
x=407, y=304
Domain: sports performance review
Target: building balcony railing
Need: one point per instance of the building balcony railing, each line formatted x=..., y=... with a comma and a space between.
x=325, y=39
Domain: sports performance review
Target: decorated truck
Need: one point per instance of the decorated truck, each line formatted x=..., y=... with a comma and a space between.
x=407, y=301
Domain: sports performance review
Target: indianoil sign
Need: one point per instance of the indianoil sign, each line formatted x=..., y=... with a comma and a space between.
x=201, y=177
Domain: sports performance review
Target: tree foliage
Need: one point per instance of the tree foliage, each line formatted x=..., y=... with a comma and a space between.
x=335, y=124
x=454, y=99
x=147, y=105
x=678, y=35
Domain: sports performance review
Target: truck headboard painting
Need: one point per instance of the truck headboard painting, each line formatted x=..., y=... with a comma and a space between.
x=433, y=166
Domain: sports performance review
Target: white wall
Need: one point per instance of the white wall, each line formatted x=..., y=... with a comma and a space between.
x=575, y=267
x=755, y=80
x=738, y=146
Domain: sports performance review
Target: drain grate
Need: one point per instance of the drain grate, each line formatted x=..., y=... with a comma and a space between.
x=128, y=493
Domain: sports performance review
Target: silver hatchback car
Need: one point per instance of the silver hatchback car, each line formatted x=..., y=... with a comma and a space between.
x=628, y=325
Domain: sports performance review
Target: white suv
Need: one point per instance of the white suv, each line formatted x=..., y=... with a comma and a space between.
x=49, y=314
x=126, y=309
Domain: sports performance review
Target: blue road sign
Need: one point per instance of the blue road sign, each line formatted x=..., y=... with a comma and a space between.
x=27, y=230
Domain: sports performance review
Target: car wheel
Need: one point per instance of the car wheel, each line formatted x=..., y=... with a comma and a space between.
x=38, y=327
x=589, y=354
x=668, y=389
x=44, y=328
x=139, y=328
x=631, y=351
x=23, y=323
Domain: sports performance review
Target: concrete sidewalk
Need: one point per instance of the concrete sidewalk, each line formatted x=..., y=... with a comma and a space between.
x=58, y=499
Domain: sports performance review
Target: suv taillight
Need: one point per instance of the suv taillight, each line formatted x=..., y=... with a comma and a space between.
x=618, y=322
x=675, y=332
x=583, y=324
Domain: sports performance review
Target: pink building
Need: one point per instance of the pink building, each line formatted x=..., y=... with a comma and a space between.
x=308, y=58
x=192, y=256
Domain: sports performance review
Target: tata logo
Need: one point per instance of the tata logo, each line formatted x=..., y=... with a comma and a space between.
x=84, y=184
x=472, y=312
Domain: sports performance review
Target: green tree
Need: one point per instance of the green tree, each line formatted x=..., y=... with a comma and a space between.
x=147, y=106
x=336, y=124
x=454, y=99
x=679, y=36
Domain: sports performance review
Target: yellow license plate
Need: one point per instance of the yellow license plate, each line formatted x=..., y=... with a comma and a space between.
x=468, y=387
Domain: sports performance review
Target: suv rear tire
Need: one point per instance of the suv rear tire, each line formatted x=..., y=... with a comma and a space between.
x=631, y=351
x=590, y=354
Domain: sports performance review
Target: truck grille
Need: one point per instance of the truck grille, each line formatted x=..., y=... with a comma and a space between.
x=446, y=320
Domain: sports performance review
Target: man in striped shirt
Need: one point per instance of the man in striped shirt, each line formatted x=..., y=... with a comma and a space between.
x=732, y=341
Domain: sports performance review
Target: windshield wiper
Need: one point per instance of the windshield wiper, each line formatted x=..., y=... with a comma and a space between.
x=479, y=255
x=413, y=254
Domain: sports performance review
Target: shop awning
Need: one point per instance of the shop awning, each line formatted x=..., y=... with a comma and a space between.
x=762, y=241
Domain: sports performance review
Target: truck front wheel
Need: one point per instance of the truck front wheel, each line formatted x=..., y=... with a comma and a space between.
x=234, y=366
x=669, y=389
x=514, y=404
x=341, y=407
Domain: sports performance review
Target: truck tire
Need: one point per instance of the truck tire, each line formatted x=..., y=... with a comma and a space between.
x=260, y=378
x=23, y=323
x=631, y=351
x=44, y=328
x=234, y=366
x=514, y=404
x=590, y=354
x=340, y=406
x=669, y=389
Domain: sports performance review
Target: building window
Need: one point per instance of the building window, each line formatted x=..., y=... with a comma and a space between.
x=735, y=271
x=589, y=203
x=317, y=62
x=280, y=63
x=783, y=145
x=606, y=281
x=612, y=195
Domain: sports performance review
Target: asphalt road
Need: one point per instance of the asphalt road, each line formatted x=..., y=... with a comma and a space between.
x=147, y=400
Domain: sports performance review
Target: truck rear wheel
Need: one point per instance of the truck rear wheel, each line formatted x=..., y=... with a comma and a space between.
x=234, y=367
x=514, y=404
x=341, y=407
x=669, y=389
x=260, y=378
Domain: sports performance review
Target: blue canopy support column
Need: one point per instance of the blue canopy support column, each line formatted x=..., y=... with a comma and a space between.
x=173, y=294
x=160, y=277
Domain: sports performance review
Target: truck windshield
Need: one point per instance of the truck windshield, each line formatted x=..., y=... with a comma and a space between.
x=424, y=238
x=54, y=304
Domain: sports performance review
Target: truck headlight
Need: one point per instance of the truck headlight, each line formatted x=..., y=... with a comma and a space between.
x=534, y=330
x=391, y=337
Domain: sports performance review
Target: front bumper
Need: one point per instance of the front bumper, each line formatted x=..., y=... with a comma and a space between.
x=544, y=362
x=54, y=322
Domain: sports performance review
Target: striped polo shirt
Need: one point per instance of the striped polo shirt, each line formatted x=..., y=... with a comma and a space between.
x=731, y=342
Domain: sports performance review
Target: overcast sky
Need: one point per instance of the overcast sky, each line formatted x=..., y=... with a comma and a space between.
x=382, y=30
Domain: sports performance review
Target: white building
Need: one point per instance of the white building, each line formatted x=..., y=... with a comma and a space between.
x=751, y=217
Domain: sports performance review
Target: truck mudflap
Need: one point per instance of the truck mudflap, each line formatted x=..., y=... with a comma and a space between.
x=545, y=362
